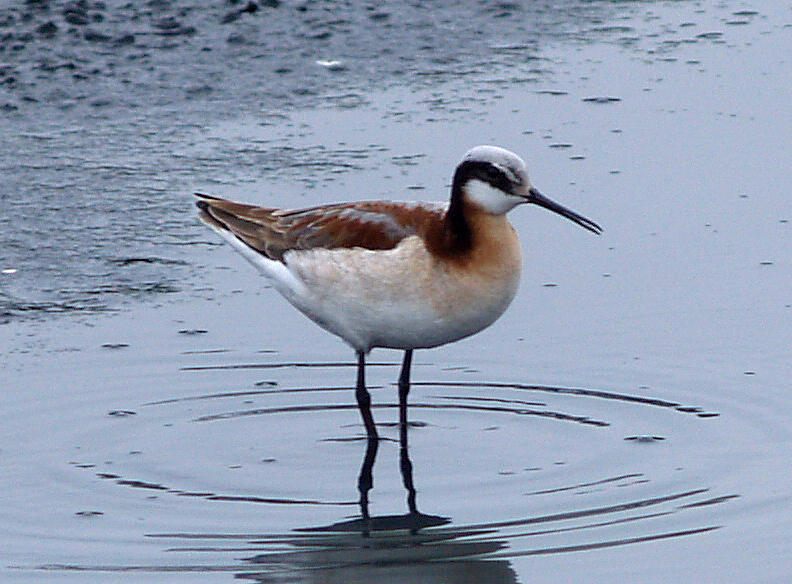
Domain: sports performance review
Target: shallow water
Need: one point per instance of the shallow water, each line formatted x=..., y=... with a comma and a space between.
x=626, y=420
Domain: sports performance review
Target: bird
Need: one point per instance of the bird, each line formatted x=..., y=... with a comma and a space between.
x=395, y=275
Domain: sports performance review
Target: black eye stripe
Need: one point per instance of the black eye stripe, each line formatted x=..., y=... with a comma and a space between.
x=495, y=176
x=486, y=172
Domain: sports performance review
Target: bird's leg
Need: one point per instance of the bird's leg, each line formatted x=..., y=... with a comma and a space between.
x=363, y=397
x=404, y=380
x=365, y=479
x=404, y=455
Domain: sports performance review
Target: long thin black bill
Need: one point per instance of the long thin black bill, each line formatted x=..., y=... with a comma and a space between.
x=538, y=198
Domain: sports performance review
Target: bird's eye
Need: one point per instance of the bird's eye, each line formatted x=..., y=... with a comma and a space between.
x=492, y=173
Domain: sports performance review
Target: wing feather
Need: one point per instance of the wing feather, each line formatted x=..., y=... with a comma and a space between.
x=374, y=225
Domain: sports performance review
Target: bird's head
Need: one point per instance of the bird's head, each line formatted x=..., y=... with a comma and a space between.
x=496, y=180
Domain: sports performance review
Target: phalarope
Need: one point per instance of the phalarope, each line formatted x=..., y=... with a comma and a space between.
x=397, y=275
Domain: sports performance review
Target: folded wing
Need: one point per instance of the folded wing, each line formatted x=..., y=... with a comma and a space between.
x=374, y=225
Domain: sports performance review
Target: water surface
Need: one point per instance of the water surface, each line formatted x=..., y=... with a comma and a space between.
x=626, y=419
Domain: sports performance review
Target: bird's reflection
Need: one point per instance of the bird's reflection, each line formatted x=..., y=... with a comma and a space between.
x=412, y=547
x=419, y=547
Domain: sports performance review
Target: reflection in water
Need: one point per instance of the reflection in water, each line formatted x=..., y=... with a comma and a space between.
x=389, y=548
x=419, y=547
x=416, y=546
x=398, y=558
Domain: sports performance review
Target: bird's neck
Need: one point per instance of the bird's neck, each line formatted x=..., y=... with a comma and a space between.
x=457, y=235
x=465, y=229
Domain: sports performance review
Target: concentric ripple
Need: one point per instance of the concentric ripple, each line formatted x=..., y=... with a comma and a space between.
x=491, y=469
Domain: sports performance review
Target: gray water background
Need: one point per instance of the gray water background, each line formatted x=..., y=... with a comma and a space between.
x=166, y=416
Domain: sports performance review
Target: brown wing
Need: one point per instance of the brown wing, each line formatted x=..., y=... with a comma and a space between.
x=273, y=232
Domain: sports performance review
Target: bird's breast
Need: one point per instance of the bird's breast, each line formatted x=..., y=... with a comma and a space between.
x=476, y=288
x=406, y=297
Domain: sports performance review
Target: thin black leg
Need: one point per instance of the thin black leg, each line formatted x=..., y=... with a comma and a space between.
x=404, y=378
x=404, y=454
x=363, y=397
x=366, y=479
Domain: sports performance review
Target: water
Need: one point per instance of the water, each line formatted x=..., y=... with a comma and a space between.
x=625, y=420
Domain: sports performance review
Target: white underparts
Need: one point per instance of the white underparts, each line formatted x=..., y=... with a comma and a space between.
x=279, y=275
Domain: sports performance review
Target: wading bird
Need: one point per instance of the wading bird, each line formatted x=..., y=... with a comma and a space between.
x=396, y=275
